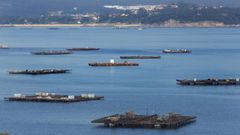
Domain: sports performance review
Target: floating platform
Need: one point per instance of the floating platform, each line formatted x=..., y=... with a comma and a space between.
x=40, y=71
x=132, y=120
x=83, y=49
x=52, y=53
x=209, y=82
x=53, y=97
x=176, y=51
x=112, y=63
x=140, y=57
x=4, y=47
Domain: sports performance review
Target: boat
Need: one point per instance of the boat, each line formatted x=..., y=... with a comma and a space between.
x=53, y=97
x=83, y=49
x=132, y=120
x=53, y=52
x=40, y=71
x=113, y=63
x=176, y=51
x=4, y=47
x=210, y=81
x=140, y=57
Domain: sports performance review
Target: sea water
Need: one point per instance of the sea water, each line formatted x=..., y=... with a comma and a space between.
x=148, y=89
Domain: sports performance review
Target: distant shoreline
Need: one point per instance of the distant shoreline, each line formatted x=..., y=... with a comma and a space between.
x=124, y=25
x=73, y=25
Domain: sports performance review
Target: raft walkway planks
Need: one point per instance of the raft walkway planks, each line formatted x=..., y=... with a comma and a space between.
x=54, y=52
x=176, y=51
x=52, y=97
x=83, y=49
x=131, y=120
x=111, y=64
x=40, y=71
x=209, y=82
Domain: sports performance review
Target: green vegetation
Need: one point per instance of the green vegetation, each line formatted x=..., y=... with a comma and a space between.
x=183, y=13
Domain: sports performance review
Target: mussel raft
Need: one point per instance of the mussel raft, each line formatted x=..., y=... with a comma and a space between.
x=176, y=51
x=55, y=52
x=83, y=49
x=209, y=82
x=112, y=63
x=132, y=120
x=40, y=71
x=53, y=97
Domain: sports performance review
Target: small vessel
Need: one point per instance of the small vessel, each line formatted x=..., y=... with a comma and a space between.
x=140, y=57
x=176, y=51
x=53, y=52
x=132, y=120
x=53, y=97
x=209, y=81
x=113, y=63
x=83, y=49
x=41, y=71
x=140, y=28
x=4, y=47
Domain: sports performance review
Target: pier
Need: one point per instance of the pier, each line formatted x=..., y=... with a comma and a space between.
x=52, y=52
x=113, y=63
x=132, y=120
x=140, y=57
x=176, y=51
x=40, y=71
x=53, y=97
x=83, y=49
x=209, y=82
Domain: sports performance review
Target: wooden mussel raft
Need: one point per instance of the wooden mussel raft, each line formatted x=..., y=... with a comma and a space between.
x=113, y=63
x=83, y=49
x=40, y=71
x=132, y=120
x=53, y=97
x=209, y=82
x=140, y=57
x=54, y=52
x=176, y=51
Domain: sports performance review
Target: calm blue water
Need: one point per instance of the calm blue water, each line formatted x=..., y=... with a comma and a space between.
x=149, y=88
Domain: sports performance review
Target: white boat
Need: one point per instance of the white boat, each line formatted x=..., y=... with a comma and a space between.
x=4, y=47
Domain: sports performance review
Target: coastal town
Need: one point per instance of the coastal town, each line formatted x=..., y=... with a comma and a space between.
x=188, y=15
